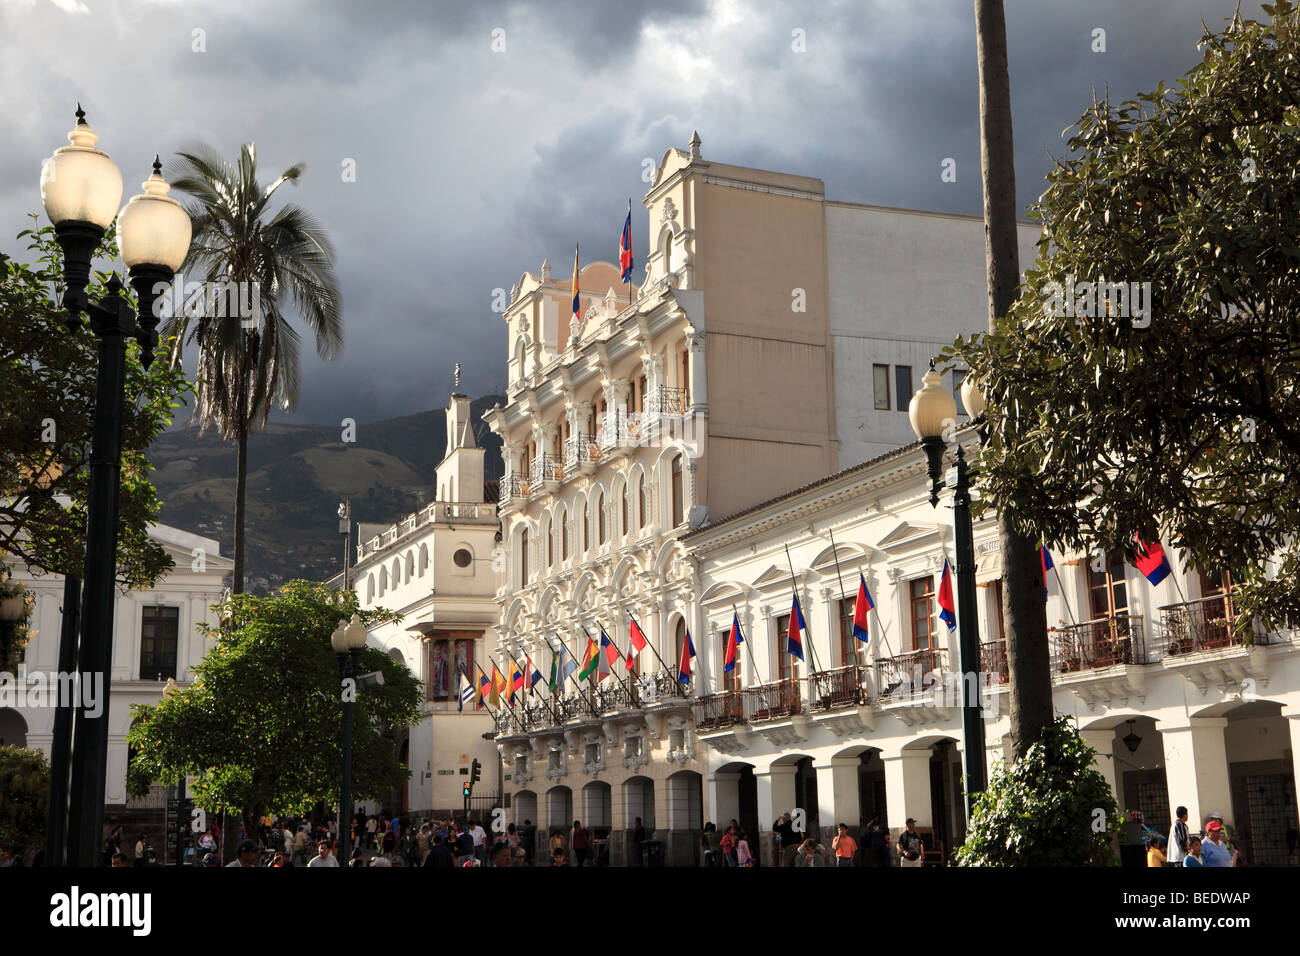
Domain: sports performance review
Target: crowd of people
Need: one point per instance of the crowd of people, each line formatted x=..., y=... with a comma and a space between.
x=1210, y=847
x=871, y=847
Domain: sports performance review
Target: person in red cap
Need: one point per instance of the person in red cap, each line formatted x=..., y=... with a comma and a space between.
x=1214, y=850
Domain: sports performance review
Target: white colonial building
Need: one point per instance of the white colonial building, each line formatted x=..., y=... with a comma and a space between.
x=155, y=638
x=438, y=569
x=772, y=343
x=1180, y=711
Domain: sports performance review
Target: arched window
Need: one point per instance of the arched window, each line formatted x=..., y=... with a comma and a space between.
x=564, y=538
x=586, y=530
x=676, y=483
x=600, y=519
x=643, y=503
x=370, y=588
x=550, y=546
x=383, y=581
x=679, y=639
x=397, y=571
x=623, y=507
x=410, y=565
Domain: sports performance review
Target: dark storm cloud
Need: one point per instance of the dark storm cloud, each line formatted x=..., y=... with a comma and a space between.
x=474, y=165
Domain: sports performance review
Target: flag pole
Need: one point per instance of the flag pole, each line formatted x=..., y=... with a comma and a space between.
x=754, y=666
x=482, y=696
x=794, y=586
x=600, y=650
x=586, y=693
x=1060, y=586
x=550, y=696
x=651, y=645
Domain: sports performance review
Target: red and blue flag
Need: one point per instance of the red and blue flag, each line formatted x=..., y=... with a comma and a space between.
x=625, y=246
x=684, y=667
x=794, y=639
x=734, y=640
x=575, y=282
x=947, y=609
x=1152, y=561
x=860, y=608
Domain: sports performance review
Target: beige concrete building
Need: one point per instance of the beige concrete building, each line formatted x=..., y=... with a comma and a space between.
x=766, y=311
x=437, y=567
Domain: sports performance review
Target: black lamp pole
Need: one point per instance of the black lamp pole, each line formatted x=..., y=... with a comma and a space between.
x=968, y=636
x=347, y=668
x=56, y=823
x=113, y=322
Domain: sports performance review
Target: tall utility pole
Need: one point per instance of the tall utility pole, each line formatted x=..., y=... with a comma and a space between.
x=1024, y=607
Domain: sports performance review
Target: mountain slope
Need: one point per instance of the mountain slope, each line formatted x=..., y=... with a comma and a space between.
x=297, y=474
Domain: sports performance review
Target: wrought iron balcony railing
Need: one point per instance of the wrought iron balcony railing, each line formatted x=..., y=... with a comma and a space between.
x=1201, y=625
x=666, y=401
x=1105, y=642
x=841, y=687
x=920, y=669
x=993, y=661
x=544, y=468
x=580, y=450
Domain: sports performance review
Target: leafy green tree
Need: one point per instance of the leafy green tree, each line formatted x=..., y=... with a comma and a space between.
x=247, y=366
x=1052, y=808
x=260, y=726
x=24, y=786
x=1169, y=409
x=47, y=396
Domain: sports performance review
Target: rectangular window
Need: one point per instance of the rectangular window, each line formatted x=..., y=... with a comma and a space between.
x=783, y=661
x=958, y=376
x=848, y=643
x=921, y=593
x=880, y=381
x=730, y=680
x=1107, y=591
x=159, y=627
x=902, y=386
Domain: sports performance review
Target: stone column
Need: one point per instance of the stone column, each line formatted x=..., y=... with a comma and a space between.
x=837, y=797
x=699, y=386
x=1103, y=741
x=775, y=795
x=1196, y=769
x=907, y=788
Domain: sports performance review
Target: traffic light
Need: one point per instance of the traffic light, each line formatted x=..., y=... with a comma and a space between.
x=474, y=771
x=466, y=791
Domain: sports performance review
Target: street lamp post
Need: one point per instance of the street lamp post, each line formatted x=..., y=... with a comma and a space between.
x=81, y=187
x=347, y=641
x=933, y=414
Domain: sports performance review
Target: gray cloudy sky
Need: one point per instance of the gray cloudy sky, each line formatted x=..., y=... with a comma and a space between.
x=472, y=165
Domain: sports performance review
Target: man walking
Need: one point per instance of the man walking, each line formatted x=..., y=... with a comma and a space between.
x=1178, y=838
x=910, y=848
x=638, y=841
x=479, y=837
x=324, y=857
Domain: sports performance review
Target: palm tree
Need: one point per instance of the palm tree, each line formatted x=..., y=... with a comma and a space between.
x=1024, y=610
x=247, y=365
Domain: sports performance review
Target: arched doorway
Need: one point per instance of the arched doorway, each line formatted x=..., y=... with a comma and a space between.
x=559, y=811
x=685, y=818
x=13, y=728
x=638, y=801
x=947, y=802
x=1261, y=777
x=597, y=815
x=735, y=797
